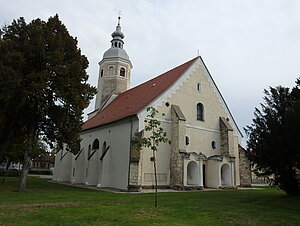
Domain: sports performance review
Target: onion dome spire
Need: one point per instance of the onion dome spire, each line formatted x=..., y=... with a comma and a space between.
x=116, y=49
x=117, y=41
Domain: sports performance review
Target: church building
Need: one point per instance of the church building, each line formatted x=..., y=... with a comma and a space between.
x=205, y=148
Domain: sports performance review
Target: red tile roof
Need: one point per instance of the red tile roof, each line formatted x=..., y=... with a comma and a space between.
x=133, y=100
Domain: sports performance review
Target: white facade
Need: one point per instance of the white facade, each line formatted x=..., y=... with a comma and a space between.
x=200, y=158
x=204, y=150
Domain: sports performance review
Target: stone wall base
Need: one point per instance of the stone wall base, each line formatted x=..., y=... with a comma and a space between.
x=245, y=186
x=153, y=186
x=227, y=187
x=190, y=188
x=174, y=187
x=134, y=188
x=177, y=187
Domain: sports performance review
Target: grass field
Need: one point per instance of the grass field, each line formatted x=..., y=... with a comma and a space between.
x=46, y=203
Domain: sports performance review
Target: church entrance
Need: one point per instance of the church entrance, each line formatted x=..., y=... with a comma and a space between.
x=192, y=173
x=225, y=175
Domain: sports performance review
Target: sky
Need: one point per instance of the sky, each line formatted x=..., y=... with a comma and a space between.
x=247, y=45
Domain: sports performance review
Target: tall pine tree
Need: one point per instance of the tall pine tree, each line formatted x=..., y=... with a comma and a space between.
x=44, y=87
x=274, y=134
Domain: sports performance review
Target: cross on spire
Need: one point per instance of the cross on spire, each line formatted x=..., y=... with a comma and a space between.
x=119, y=17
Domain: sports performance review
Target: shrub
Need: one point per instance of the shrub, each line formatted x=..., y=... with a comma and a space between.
x=9, y=173
x=40, y=172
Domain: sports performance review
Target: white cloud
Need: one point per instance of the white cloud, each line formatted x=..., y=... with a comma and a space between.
x=247, y=45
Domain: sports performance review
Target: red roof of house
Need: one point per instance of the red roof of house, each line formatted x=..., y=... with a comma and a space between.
x=134, y=100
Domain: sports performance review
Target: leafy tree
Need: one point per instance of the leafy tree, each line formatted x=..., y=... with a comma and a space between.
x=15, y=152
x=274, y=134
x=157, y=136
x=44, y=87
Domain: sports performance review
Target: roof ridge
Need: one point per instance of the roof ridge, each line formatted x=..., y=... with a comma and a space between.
x=161, y=74
x=131, y=101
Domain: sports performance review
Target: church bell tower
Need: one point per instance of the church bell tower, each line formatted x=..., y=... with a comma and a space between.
x=114, y=71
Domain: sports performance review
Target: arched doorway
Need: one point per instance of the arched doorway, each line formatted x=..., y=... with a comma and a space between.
x=192, y=173
x=225, y=175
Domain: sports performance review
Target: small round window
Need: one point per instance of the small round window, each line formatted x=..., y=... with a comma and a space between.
x=213, y=144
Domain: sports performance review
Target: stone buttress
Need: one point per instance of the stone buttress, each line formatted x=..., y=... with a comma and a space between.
x=178, y=149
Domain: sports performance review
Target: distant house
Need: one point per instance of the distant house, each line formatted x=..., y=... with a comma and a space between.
x=43, y=163
x=205, y=146
x=12, y=166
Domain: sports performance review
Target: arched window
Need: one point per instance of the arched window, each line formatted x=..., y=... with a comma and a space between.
x=119, y=45
x=96, y=144
x=200, y=112
x=187, y=140
x=111, y=70
x=213, y=144
x=122, y=72
x=199, y=87
x=116, y=44
x=101, y=74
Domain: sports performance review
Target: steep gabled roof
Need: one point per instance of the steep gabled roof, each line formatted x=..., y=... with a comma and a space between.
x=134, y=100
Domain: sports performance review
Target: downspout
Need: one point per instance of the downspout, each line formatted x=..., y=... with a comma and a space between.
x=130, y=147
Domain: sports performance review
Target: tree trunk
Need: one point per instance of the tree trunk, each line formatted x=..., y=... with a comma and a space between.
x=24, y=172
x=155, y=176
x=26, y=163
x=7, y=164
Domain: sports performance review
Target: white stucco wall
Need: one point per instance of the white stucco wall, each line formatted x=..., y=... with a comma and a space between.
x=93, y=168
x=79, y=165
x=212, y=172
x=201, y=133
x=163, y=161
x=63, y=166
x=57, y=167
x=112, y=171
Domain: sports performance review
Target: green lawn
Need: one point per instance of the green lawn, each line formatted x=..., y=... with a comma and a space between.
x=46, y=203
